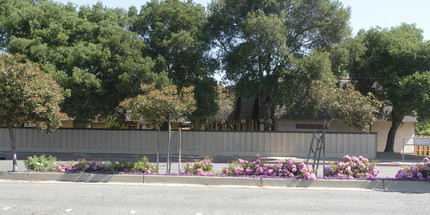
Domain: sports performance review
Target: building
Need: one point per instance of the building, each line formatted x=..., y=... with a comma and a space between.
x=248, y=117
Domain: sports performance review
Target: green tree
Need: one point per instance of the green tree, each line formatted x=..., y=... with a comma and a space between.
x=394, y=65
x=225, y=100
x=90, y=51
x=175, y=34
x=261, y=42
x=423, y=128
x=346, y=103
x=28, y=94
x=158, y=106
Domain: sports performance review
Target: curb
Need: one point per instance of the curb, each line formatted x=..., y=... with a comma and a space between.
x=377, y=185
x=205, y=180
x=71, y=177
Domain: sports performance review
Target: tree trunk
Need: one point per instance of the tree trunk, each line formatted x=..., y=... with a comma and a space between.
x=392, y=135
x=168, y=145
x=267, y=114
x=13, y=145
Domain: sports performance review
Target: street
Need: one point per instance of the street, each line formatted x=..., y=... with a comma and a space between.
x=22, y=197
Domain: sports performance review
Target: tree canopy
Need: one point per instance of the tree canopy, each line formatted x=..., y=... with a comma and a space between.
x=423, y=128
x=346, y=104
x=261, y=43
x=394, y=65
x=89, y=51
x=225, y=101
x=158, y=106
x=175, y=34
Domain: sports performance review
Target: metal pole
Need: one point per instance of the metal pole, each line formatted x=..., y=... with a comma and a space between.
x=180, y=149
x=403, y=152
x=323, y=148
x=323, y=145
x=158, y=148
x=168, y=146
x=311, y=150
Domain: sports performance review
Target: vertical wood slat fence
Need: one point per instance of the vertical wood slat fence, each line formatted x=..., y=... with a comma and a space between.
x=193, y=142
x=422, y=150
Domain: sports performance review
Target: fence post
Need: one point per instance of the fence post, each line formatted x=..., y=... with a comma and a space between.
x=180, y=150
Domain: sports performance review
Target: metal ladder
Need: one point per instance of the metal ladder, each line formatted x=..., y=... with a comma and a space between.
x=320, y=146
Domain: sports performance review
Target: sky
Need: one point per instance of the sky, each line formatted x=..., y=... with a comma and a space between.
x=364, y=13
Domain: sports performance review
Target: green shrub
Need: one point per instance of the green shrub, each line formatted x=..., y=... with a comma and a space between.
x=143, y=165
x=422, y=128
x=41, y=163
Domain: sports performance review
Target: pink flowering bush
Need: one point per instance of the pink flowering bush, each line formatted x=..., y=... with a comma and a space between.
x=417, y=171
x=203, y=167
x=352, y=167
x=259, y=167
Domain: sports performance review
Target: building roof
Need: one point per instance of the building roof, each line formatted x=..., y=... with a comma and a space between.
x=247, y=106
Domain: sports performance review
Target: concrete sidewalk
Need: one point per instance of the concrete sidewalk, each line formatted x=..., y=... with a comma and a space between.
x=382, y=157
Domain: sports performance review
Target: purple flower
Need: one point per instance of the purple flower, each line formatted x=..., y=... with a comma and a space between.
x=259, y=171
x=238, y=170
x=248, y=171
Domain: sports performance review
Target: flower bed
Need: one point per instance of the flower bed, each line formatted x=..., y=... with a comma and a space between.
x=42, y=163
x=258, y=167
x=417, y=171
x=352, y=167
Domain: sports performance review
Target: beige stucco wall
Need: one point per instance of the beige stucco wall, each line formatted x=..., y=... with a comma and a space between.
x=379, y=127
x=405, y=130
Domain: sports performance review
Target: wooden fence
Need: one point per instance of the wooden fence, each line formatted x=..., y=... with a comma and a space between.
x=422, y=150
x=193, y=142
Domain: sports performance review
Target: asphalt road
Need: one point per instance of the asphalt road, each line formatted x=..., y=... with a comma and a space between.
x=85, y=198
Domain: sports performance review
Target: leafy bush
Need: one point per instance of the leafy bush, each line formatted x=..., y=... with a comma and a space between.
x=41, y=163
x=143, y=165
x=121, y=166
x=417, y=171
x=352, y=167
x=258, y=168
x=203, y=167
x=423, y=128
